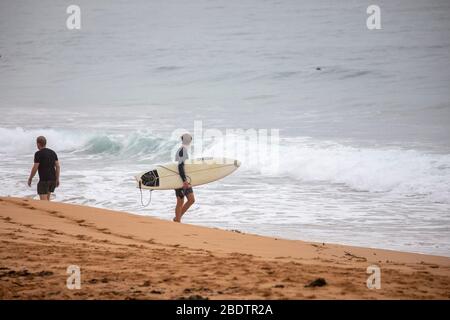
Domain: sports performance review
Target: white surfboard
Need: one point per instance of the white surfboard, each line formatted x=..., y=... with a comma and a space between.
x=198, y=172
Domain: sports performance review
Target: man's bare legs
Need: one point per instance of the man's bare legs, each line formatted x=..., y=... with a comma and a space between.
x=178, y=209
x=45, y=197
x=182, y=207
x=190, y=201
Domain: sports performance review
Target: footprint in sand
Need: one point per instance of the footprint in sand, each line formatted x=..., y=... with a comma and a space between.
x=156, y=292
x=146, y=284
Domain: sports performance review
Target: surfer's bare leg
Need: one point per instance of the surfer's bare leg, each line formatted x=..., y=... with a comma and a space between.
x=44, y=197
x=190, y=201
x=178, y=209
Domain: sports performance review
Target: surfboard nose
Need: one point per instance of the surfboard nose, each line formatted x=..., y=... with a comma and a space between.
x=237, y=163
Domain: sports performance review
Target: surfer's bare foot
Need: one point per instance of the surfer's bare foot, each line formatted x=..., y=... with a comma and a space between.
x=176, y=220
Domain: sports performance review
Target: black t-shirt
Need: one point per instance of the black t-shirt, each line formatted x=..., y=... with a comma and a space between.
x=46, y=159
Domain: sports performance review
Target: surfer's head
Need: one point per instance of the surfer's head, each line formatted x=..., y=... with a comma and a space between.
x=186, y=139
x=41, y=142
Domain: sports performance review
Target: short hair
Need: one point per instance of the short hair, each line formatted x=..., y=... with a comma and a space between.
x=186, y=138
x=41, y=141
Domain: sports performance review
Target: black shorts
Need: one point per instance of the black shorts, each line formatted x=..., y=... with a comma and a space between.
x=181, y=193
x=46, y=187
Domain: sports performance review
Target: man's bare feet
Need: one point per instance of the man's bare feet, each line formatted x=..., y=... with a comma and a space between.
x=176, y=220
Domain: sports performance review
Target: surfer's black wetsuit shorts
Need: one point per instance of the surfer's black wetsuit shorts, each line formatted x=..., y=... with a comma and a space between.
x=181, y=193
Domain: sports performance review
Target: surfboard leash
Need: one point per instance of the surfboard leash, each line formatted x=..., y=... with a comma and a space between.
x=142, y=197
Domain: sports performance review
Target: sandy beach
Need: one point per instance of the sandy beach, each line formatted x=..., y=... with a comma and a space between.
x=125, y=256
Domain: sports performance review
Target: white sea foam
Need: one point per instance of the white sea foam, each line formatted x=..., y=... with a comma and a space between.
x=390, y=170
x=406, y=172
x=19, y=141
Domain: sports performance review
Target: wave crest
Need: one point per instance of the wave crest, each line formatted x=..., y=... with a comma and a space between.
x=397, y=171
x=20, y=141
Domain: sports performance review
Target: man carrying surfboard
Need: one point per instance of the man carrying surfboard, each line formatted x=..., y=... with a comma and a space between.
x=186, y=190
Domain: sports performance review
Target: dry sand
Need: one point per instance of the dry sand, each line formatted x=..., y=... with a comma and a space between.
x=125, y=256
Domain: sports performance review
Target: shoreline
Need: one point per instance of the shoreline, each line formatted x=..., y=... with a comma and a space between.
x=271, y=236
x=137, y=213
x=129, y=256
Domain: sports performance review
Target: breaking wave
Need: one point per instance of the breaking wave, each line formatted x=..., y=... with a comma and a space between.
x=139, y=143
x=399, y=171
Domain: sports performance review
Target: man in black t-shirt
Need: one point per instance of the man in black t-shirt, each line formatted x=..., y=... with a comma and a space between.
x=47, y=164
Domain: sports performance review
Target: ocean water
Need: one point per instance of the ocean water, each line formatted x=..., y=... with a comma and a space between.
x=363, y=115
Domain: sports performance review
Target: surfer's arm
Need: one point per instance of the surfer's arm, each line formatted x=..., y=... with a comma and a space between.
x=181, y=156
x=34, y=169
x=181, y=171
